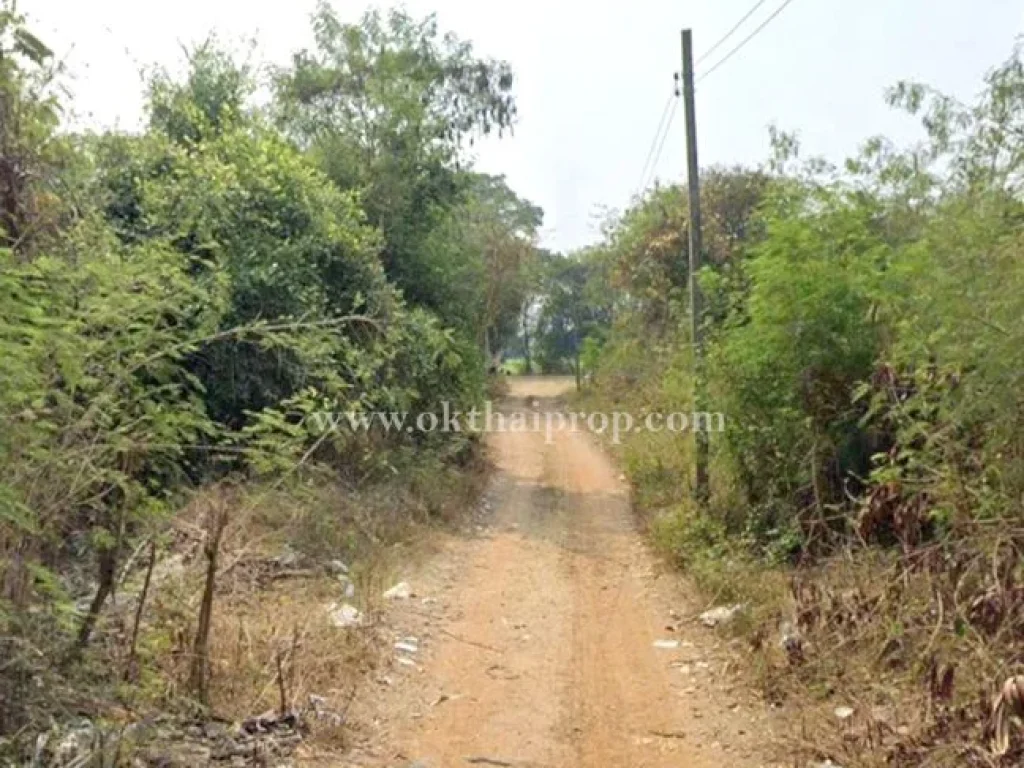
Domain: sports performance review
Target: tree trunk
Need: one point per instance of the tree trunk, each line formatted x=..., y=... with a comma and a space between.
x=528, y=367
x=107, y=573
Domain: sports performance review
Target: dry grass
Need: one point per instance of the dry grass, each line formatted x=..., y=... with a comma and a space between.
x=280, y=643
x=884, y=658
x=272, y=644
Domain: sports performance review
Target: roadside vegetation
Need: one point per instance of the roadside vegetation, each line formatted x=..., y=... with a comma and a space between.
x=864, y=342
x=174, y=303
x=183, y=550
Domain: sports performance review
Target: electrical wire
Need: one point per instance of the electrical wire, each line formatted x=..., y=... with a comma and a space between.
x=661, y=146
x=746, y=40
x=665, y=115
x=730, y=33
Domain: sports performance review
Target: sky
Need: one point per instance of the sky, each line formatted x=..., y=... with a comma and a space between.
x=593, y=76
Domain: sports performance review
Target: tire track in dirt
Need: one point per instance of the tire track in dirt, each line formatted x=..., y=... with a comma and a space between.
x=540, y=652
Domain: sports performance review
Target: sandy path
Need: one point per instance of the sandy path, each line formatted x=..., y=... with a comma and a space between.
x=537, y=636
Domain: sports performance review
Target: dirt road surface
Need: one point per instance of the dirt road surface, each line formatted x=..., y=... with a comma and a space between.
x=535, y=638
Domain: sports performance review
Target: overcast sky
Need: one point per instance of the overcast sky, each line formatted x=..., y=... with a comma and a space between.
x=593, y=76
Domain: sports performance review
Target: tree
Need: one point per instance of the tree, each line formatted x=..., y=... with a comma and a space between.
x=31, y=156
x=386, y=107
x=572, y=311
x=647, y=244
x=484, y=254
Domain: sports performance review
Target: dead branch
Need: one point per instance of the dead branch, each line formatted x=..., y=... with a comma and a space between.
x=129, y=672
x=198, y=675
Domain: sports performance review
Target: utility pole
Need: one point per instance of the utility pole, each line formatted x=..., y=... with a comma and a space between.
x=700, y=436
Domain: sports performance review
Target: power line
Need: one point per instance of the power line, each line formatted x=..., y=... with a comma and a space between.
x=661, y=146
x=730, y=33
x=746, y=40
x=665, y=115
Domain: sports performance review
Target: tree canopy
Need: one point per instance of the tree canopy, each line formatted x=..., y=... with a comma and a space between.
x=176, y=304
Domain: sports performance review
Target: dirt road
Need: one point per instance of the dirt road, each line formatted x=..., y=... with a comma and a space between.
x=535, y=639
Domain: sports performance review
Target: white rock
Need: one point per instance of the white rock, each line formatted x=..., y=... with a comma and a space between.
x=667, y=645
x=345, y=616
x=723, y=614
x=287, y=559
x=844, y=713
x=401, y=591
x=408, y=645
x=350, y=589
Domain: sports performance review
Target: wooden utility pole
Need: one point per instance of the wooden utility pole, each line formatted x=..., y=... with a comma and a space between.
x=700, y=436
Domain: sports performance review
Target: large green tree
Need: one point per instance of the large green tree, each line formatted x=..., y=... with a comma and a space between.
x=484, y=256
x=575, y=310
x=388, y=107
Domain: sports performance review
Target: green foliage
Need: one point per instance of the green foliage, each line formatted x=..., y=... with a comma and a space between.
x=786, y=369
x=647, y=246
x=209, y=102
x=385, y=107
x=862, y=330
x=483, y=255
x=32, y=158
x=175, y=304
x=100, y=417
x=953, y=399
x=574, y=311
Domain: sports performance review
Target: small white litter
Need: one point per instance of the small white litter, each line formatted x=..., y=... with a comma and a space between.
x=338, y=567
x=408, y=645
x=344, y=616
x=844, y=713
x=720, y=615
x=401, y=591
x=667, y=645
